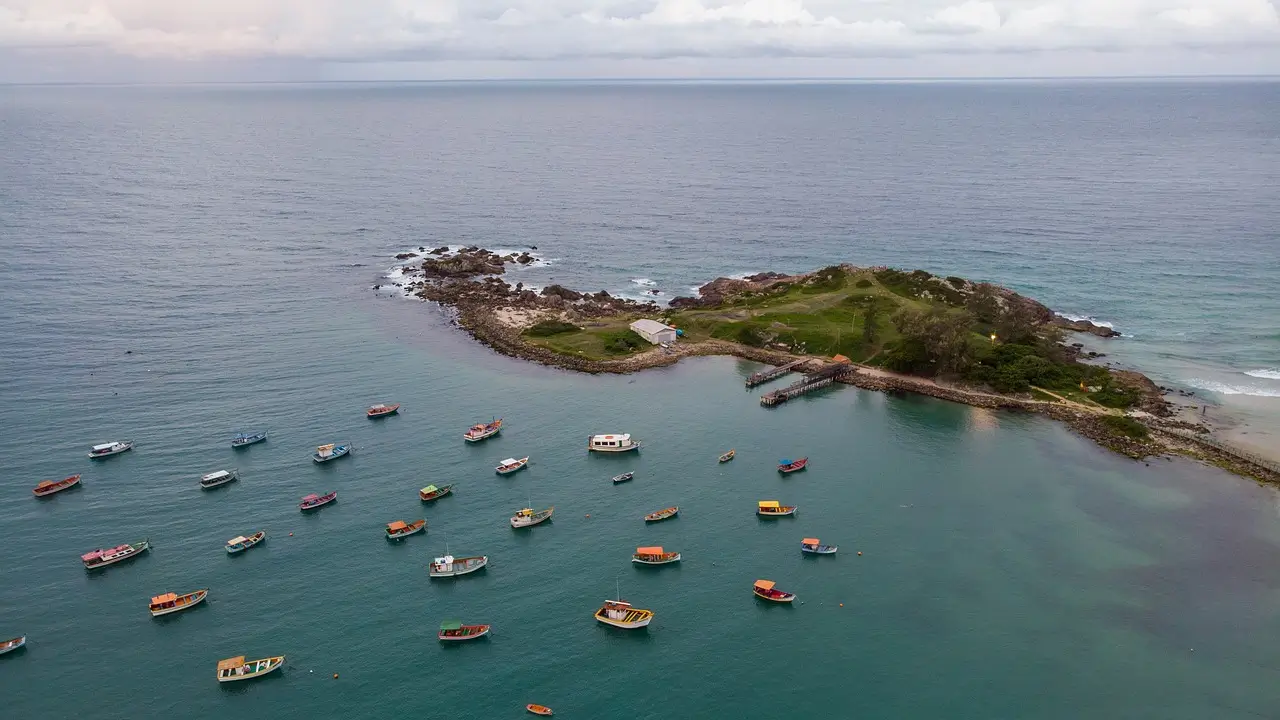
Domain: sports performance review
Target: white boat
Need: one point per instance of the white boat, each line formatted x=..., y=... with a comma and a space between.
x=612, y=443
x=624, y=477
x=620, y=614
x=510, y=465
x=14, y=644
x=332, y=451
x=221, y=477
x=237, y=668
x=528, y=518
x=450, y=566
x=115, y=447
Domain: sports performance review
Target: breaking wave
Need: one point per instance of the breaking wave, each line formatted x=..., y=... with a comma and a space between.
x=1230, y=389
x=1268, y=373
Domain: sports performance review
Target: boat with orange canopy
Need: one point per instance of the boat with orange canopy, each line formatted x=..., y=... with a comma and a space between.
x=771, y=508
x=172, y=602
x=538, y=709
x=765, y=589
x=654, y=555
x=400, y=529
x=815, y=547
x=237, y=668
x=49, y=487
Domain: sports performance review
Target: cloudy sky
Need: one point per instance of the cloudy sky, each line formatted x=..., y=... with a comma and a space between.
x=148, y=40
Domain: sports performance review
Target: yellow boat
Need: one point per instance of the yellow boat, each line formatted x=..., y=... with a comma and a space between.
x=771, y=508
x=620, y=614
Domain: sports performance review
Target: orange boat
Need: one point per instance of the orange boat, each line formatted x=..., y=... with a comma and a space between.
x=49, y=487
x=654, y=556
x=172, y=602
x=764, y=589
x=401, y=529
x=662, y=514
x=538, y=709
x=381, y=410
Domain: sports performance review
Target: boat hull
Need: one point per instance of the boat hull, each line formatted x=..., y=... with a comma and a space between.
x=661, y=515
x=456, y=571
x=783, y=513
x=15, y=644
x=820, y=550
x=336, y=454
x=125, y=447
x=66, y=484
x=138, y=549
x=501, y=470
x=481, y=436
x=484, y=631
x=315, y=506
x=631, y=448
x=407, y=533
x=668, y=561
x=382, y=412
x=253, y=540
x=625, y=477
x=273, y=664
x=538, y=518
x=246, y=442
x=624, y=625
x=781, y=598
x=538, y=709
x=195, y=599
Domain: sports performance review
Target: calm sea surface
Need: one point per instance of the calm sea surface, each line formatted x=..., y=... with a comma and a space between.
x=184, y=263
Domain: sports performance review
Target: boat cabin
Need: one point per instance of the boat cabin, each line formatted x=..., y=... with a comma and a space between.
x=238, y=540
x=616, y=609
x=611, y=442
x=768, y=506
x=810, y=542
x=396, y=527
x=160, y=602
x=231, y=666
x=103, y=447
x=325, y=450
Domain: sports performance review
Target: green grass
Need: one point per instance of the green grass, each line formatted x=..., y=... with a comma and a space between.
x=1126, y=426
x=609, y=340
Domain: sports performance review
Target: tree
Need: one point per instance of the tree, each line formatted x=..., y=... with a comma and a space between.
x=984, y=303
x=869, y=319
x=938, y=337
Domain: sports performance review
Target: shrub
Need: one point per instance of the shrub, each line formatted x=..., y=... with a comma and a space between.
x=751, y=335
x=547, y=328
x=1126, y=426
x=863, y=284
x=622, y=342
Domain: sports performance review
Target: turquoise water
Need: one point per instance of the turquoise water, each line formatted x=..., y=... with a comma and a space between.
x=173, y=278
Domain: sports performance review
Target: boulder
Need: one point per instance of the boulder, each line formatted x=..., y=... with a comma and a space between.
x=406, y=256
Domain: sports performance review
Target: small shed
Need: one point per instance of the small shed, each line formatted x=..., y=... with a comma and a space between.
x=654, y=331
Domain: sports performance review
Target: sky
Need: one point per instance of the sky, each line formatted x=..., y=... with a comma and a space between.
x=299, y=40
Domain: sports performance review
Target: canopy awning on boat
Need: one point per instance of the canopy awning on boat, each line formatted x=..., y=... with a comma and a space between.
x=104, y=446
x=165, y=598
x=764, y=584
x=231, y=663
x=649, y=550
x=810, y=541
x=769, y=504
x=430, y=489
x=510, y=461
x=47, y=483
x=785, y=462
x=396, y=526
x=310, y=497
x=237, y=540
x=451, y=625
x=446, y=560
x=92, y=555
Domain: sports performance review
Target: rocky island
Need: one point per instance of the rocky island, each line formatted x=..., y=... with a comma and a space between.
x=897, y=331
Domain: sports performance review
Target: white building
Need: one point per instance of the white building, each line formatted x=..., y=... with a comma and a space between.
x=654, y=331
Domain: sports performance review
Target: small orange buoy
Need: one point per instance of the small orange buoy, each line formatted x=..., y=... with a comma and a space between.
x=335, y=676
x=841, y=604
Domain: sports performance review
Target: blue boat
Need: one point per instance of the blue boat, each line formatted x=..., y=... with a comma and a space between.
x=325, y=453
x=248, y=438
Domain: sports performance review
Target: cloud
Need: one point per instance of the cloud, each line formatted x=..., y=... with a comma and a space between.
x=516, y=30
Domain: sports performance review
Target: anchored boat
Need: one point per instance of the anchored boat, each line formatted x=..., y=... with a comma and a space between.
x=450, y=566
x=771, y=508
x=790, y=466
x=538, y=709
x=13, y=644
x=381, y=410
x=612, y=443
x=172, y=603
x=114, y=447
x=662, y=514
x=49, y=487
x=102, y=558
x=727, y=456
x=483, y=431
x=528, y=518
x=332, y=451
x=431, y=492
x=399, y=529
x=510, y=465
x=241, y=543
x=624, y=477
x=619, y=613
x=243, y=439
x=812, y=545
x=221, y=477
x=455, y=631
x=654, y=556
x=237, y=668
x=313, y=501
x=764, y=589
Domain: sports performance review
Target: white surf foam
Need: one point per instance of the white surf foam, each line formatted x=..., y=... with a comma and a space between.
x=1268, y=373
x=1230, y=389
x=645, y=282
x=1077, y=318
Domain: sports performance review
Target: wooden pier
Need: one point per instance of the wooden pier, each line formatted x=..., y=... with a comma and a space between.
x=811, y=382
x=765, y=376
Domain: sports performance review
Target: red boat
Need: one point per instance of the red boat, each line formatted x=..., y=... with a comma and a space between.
x=49, y=487
x=313, y=501
x=790, y=466
x=381, y=410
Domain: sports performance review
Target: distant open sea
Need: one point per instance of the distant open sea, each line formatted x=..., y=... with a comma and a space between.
x=182, y=263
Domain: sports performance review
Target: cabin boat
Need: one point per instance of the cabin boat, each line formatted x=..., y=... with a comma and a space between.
x=510, y=465
x=450, y=566
x=771, y=508
x=662, y=514
x=313, y=501
x=221, y=477
x=455, y=631
x=654, y=556
x=102, y=558
x=381, y=410
x=241, y=543
x=483, y=431
x=727, y=456
x=790, y=466
x=13, y=644
x=814, y=546
x=538, y=709
x=108, y=449
x=764, y=589
x=172, y=603
x=49, y=487
x=399, y=529
x=619, y=614
x=624, y=477
x=244, y=439
x=237, y=668
x=431, y=492
x=528, y=518
x=612, y=443
x=332, y=451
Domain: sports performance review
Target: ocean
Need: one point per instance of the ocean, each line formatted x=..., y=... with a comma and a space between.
x=183, y=263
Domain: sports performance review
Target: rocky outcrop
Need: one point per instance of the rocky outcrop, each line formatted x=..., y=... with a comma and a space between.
x=466, y=263
x=406, y=255
x=1083, y=326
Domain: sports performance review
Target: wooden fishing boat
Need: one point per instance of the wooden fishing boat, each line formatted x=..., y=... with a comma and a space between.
x=654, y=556
x=764, y=589
x=399, y=529
x=49, y=487
x=813, y=546
x=619, y=613
x=13, y=644
x=618, y=442
x=771, y=508
x=510, y=465
x=332, y=451
x=237, y=668
x=727, y=456
x=538, y=709
x=455, y=631
x=381, y=410
x=220, y=477
x=108, y=449
x=483, y=431
x=104, y=557
x=662, y=514
x=450, y=566
x=431, y=492
x=172, y=603
x=244, y=439
x=240, y=543
x=624, y=477
x=790, y=466
x=313, y=501
x=528, y=518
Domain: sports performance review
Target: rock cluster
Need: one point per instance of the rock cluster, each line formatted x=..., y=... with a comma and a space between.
x=1084, y=326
